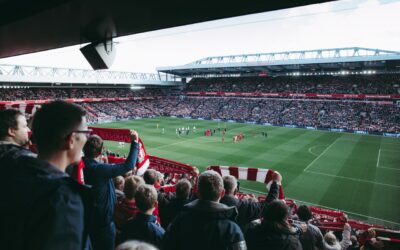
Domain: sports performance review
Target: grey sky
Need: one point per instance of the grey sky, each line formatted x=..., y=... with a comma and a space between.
x=361, y=23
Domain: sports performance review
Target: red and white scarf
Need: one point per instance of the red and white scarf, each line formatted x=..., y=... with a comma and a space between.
x=251, y=174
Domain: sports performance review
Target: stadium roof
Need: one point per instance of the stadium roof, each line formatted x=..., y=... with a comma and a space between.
x=320, y=60
x=28, y=26
x=34, y=76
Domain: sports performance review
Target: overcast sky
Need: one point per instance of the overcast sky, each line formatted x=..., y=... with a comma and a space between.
x=353, y=23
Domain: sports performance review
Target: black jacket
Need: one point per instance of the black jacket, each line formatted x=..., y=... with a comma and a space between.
x=204, y=225
x=99, y=176
x=13, y=151
x=169, y=206
x=265, y=237
x=41, y=207
x=250, y=210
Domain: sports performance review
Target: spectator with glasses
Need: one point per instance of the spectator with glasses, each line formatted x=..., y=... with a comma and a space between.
x=46, y=208
x=99, y=175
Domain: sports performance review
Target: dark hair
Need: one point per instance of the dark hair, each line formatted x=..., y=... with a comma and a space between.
x=93, y=146
x=275, y=216
x=150, y=176
x=304, y=213
x=53, y=122
x=182, y=189
x=8, y=119
x=276, y=211
x=230, y=184
x=210, y=185
x=145, y=197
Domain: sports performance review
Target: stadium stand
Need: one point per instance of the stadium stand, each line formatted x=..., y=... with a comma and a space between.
x=348, y=114
x=353, y=84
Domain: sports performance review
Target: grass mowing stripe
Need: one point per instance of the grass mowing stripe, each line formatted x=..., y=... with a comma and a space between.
x=352, y=179
x=326, y=150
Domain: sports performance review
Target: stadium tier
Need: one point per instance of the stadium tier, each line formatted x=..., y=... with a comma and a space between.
x=364, y=104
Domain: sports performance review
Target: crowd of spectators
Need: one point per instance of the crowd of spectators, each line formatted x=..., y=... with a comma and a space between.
x=50, y=208
x=350, y=115
x=341, y=84
x=67, y=93
x=205, y=218
x=343, y=114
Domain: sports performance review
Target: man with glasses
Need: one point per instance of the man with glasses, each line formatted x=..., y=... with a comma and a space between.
x=99, y=175
x=42, y=207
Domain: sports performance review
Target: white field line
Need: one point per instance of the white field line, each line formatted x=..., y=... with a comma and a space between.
x=390, y=150
x=353, y=179
x=314, y=204
x=398, y=169
x=379, y=156
x=326, y=150
x=311, y=152
x=384, y=143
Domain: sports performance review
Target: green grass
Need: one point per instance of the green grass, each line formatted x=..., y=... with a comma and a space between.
x=359, y=174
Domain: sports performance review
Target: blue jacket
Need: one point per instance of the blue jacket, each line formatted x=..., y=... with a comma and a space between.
x=41, y=207
x=204, y=225
x=99, y=176
x=143, y=227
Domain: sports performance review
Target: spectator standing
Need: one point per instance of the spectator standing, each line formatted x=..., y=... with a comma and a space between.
x=312, y=239
x=99, y=175
x=170, y=207
x=205, y=223
x=144, y=226
x=47, y=209
x=275, y=231
x=248, y=209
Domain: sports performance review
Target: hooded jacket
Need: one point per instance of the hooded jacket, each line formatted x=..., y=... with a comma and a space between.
x=205, y=225
x=266, y=236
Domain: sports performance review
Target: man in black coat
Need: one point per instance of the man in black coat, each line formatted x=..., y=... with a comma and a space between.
x=274, y=232
x=99, y=175
x=248, y=209
x=41, y=207
x=171, y=205
x=205, y=223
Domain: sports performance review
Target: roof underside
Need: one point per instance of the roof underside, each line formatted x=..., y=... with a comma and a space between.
x=28, y=26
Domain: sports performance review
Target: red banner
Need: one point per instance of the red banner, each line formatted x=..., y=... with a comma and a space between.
x=163, y=165
x=112, y=134
x=168, y=166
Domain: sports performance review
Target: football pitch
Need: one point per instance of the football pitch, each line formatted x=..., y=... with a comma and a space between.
x=358, y=174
